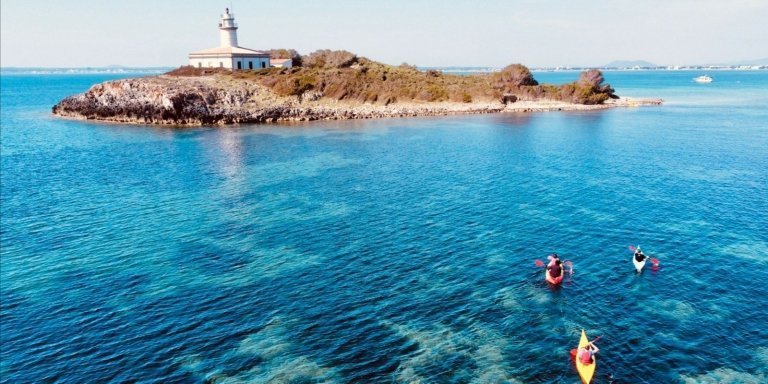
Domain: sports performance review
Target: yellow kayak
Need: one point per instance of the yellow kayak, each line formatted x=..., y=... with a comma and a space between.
x=586, y=371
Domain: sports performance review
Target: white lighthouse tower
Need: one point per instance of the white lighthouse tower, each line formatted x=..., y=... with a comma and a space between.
x=228, y=54
x=228, y=29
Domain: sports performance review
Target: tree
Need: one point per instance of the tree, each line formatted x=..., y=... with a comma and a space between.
x=593, y=78
x=282, y=53
x=326, y=58
x=512, y=78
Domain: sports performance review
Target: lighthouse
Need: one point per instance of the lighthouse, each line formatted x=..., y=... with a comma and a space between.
x=228, y=54
x=228, y=29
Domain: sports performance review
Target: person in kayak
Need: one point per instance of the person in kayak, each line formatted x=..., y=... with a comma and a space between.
x=553, y=259
x=555, y=268
x=585, y=354
x=639, y=255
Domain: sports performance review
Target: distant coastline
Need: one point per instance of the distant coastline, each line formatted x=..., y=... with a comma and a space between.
x=82, y=70
x=448, y=69
x=662, y=68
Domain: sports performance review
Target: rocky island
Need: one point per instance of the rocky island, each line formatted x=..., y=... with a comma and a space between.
x=328, y=85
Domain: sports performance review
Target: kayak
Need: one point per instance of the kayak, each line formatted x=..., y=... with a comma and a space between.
x=586, y=371
x=554, y=280
x=639, y=264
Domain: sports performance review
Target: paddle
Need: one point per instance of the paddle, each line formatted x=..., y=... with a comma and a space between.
x=569, y=264
x=540, y=263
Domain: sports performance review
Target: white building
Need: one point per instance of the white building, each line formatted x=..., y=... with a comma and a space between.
x=229, y=54
x=282, y=63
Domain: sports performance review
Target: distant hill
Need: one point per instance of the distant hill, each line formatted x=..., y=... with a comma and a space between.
x=646, y=64
x=629, y=64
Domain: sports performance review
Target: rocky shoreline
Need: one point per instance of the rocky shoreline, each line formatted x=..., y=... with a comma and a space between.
x=212, y=100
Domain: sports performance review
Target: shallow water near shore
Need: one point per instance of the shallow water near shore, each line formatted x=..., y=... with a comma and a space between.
x=388, y=251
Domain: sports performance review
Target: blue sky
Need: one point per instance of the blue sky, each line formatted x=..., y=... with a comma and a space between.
x=79, y=33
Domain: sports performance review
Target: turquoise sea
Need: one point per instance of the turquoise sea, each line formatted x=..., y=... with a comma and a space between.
x=388, y=251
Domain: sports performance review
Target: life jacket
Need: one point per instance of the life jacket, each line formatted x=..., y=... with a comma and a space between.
x=585, y=356
x=555, y=270
x=640, y=257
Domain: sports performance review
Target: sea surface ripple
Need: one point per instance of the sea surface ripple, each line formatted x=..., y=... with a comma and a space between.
x=388, y=251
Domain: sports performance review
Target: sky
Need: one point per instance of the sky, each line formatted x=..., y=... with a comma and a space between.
x=494, y=33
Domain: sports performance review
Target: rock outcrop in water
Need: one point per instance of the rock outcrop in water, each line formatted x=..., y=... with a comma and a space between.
x=353, y=88
x=177, y=100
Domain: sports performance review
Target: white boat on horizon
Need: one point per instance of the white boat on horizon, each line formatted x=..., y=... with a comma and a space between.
x=703, y=79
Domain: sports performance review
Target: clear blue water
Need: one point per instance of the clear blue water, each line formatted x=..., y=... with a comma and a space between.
x=388, y=251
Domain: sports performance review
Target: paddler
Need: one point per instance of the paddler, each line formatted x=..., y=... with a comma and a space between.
x=555, y=268
x=585, y=354
x=553, y=258
x=639, y=255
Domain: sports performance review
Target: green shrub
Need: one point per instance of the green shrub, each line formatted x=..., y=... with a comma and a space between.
x=326, y=58
x=512, y=78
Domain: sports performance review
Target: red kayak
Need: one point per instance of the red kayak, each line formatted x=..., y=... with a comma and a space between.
x=553, y=280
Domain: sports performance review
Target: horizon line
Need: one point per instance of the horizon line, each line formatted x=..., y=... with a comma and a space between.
x=557, y=67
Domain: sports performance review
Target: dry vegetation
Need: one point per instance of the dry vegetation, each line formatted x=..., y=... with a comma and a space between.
x=342, y=75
